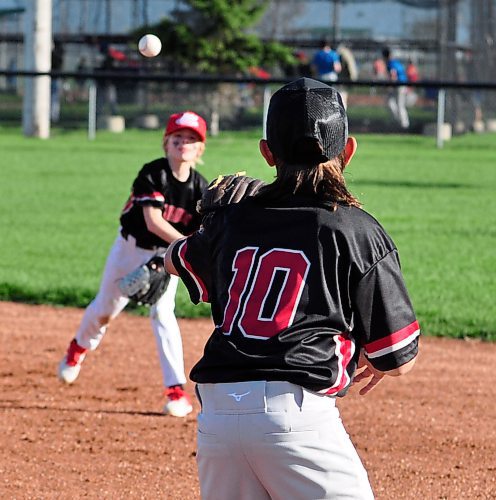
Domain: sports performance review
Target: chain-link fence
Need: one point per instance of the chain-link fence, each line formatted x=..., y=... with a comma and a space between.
x=131, y=101
x=447, y=40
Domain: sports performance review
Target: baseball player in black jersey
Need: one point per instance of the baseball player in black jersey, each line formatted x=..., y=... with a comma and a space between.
x=161, y=209
x=306, y=291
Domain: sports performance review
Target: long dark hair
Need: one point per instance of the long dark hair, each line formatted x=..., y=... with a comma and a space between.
x=325, y=182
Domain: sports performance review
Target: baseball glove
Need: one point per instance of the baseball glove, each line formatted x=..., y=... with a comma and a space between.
x=146, y=284
x=226, y=190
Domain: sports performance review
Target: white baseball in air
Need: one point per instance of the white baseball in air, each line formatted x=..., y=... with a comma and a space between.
x=150, y=45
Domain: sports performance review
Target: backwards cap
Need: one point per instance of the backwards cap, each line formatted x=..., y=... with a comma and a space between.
x=187, y=120
x=306, y=123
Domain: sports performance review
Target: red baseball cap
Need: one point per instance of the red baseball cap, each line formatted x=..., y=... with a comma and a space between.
x=187, y=120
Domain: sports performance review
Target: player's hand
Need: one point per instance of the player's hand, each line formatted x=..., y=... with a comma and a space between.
x=226, y=190
x=366, y=371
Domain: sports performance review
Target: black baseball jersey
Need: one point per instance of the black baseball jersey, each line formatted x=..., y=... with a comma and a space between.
x=296, y=290
x=155, y=185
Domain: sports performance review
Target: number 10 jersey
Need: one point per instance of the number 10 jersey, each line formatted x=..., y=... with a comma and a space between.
x=296, y=291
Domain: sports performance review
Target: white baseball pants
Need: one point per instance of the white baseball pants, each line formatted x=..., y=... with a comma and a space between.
x=397, y=104
x=124, y=257
x=274, y=440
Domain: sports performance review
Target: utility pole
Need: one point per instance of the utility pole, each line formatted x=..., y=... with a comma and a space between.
x=336, y=34
x=108, y=17
x=145, y=12
x=37, y=57
x=135, y=14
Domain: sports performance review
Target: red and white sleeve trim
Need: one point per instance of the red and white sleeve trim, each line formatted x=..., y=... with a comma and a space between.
x=156, y=196
x=393, y=342
x=345, y=348
x=202, y=289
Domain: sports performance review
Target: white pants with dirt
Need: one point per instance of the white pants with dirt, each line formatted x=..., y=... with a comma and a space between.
x=274, y=440
x=124, y=257
x=397, y=104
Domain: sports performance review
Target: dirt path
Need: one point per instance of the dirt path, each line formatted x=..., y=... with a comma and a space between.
x=429, y=435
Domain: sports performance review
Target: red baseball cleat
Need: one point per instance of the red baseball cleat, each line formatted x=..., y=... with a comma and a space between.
x=179, y=404
x=70, y=366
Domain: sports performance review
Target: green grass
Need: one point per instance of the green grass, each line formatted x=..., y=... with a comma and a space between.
x=61, y=198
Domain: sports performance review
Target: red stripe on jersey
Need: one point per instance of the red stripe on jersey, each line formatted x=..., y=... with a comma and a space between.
x=202, y=289
x=128, y=205
x=156, y=196
x=393, y=340
x=344, y=352
x=176, y=214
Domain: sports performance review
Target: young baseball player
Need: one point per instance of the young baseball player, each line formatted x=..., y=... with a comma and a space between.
x=305, y=287
x=160, y=209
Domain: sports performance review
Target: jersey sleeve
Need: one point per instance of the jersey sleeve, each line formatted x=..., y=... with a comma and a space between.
x=148, y=188
x=190, y=258
x=385, y=321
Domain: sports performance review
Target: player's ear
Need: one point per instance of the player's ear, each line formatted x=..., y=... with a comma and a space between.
x=165, y=140
x=266, y=152
x=201, y=149
x=350, y=149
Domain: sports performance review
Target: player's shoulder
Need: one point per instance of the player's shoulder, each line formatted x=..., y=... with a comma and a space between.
x=155, y=165
x=357, y=214
x=358, y=218
x=362, y=227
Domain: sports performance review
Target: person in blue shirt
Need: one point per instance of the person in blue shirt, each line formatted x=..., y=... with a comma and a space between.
x=326, y=63
x=396, y=98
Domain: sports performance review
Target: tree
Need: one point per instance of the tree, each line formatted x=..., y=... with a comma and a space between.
x=212, y=36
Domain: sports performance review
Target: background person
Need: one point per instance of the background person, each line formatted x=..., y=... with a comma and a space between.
x=380, y=73
x=412, y=75
x=349, y=71
x=161, y=209
x=379, y=69
x=304, y=286
x=396, y=98
x=326, y=63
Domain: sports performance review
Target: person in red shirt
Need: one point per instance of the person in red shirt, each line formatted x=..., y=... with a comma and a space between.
x=412, y=71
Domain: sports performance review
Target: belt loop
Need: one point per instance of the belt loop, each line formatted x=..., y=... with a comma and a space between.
x=197, y=392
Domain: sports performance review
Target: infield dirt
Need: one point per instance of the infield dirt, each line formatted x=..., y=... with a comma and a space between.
x=429, y=435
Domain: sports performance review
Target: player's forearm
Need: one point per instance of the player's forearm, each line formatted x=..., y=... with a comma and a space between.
x=395, y=372
x=401, y=370
x=160, y=227
x=374, y=376
x=165, y=232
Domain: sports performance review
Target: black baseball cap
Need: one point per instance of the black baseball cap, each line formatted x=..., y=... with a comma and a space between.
x=306, y=123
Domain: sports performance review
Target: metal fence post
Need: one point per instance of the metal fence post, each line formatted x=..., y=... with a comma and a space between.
x=441, y=100
x=92, y=110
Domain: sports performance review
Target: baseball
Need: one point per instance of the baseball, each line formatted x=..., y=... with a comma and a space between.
x=150, y=45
